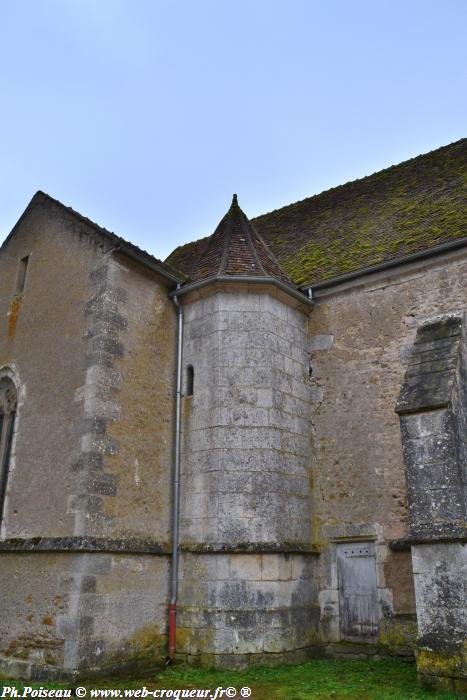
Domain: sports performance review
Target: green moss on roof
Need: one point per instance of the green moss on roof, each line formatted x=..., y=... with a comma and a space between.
x=185, y=257
x=396, y=212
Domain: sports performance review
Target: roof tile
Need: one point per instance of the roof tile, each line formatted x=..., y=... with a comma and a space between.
x=235, y=249
x=406, y=209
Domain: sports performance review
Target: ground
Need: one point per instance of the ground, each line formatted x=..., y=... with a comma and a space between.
x=316, y=680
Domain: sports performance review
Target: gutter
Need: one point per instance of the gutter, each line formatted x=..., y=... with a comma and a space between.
x=176, y=486
x=222, y=279
x=414, y=257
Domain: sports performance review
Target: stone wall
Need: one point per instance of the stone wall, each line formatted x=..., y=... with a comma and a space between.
x=69, y=615
x=144, y=432
x=84, y=549
x=246, y=428
x=362, y=333
x=245, y=480
x=42, y=347
x=42, y=344
x=241, y=609
x=291, y=447
x=126, y=468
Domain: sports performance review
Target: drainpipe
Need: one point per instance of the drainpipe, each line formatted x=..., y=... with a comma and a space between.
x=176, y=489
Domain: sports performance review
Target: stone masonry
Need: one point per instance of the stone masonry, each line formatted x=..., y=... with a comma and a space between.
x=314, y=518
x=433, y=410
x=249, y=589
x=77, y=573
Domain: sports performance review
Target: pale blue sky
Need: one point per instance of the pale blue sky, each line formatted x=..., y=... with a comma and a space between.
x=147, y=115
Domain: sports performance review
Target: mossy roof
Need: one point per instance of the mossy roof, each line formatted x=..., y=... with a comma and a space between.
x=402, y=210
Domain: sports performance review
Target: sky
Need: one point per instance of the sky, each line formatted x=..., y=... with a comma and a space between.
x=147, y=115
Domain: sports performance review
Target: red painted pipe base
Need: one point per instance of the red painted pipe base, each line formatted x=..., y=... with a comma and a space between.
x=172, y=630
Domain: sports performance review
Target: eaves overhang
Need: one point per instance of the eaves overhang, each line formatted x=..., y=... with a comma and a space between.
x=388, y=265
x=249, y=280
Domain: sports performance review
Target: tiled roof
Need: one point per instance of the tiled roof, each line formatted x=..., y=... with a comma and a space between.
x=235, y=250
x=406, y=209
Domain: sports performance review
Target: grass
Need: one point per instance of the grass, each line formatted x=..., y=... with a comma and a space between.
x=316, y=680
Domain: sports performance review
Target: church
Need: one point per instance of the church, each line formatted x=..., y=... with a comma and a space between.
x=252, y=453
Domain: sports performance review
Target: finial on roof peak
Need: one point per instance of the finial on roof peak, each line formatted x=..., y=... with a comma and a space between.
x=236, y=251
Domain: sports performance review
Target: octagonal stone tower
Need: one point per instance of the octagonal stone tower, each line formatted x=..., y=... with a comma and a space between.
x=247, y=583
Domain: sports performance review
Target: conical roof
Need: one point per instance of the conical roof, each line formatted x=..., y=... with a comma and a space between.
x=235, y=249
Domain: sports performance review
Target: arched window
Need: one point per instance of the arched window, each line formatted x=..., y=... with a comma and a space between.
x=8, y=401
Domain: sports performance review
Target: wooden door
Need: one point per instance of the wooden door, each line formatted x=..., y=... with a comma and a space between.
x=358, y=596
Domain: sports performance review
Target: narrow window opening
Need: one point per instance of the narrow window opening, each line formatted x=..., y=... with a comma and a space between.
x=190, y=380
x=22, y=272
x=8, y=399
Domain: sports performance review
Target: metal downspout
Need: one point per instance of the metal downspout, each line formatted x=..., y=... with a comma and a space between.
x=176, y=489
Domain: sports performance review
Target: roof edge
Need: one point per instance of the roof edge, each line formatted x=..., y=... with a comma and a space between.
x=144, y=258
x=35, y=199
x=127, y=248
x=245, y=279
x=356, y=180
x=389, y=264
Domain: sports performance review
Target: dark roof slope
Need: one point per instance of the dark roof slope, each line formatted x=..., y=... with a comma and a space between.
x=126, y=247
x=235, y=250
x=396, y=212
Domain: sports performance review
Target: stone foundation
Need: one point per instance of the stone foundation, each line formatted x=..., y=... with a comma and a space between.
x=234, y=607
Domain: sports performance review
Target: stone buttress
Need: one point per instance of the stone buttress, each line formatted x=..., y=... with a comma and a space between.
x=433, y=414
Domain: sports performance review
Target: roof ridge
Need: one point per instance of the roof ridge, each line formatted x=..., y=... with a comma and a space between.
x=225, y=249
x=232, y=250
x=127, y=247
x=317, y=195
x=77, y=214
x=251, y=243
x=359, y=179
x=397, y=212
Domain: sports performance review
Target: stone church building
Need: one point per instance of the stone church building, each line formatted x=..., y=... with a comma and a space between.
x=251, y=453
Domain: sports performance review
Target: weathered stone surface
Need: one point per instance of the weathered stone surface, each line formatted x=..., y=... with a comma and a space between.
x=85, y=325
x=291, y=448
x=320, y=342
x=358, y=467
x=432, y=366
x=237, y=604
x=433, y=435
x=440, y=573
x=243, y=435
